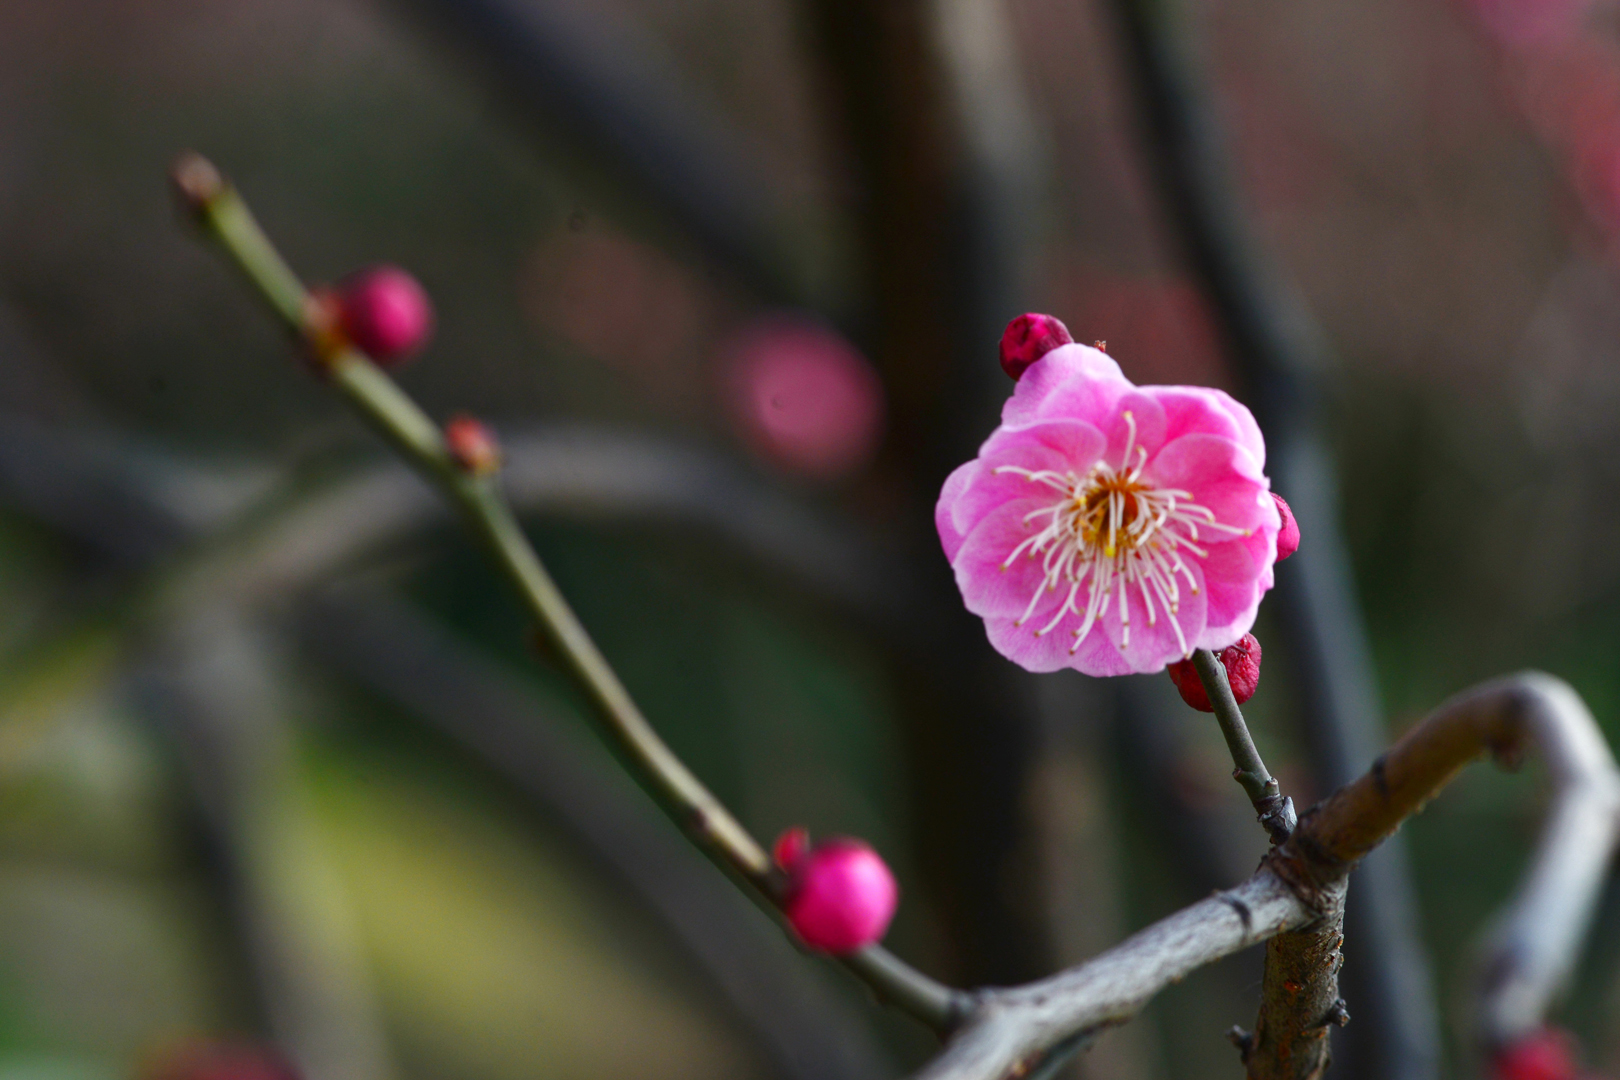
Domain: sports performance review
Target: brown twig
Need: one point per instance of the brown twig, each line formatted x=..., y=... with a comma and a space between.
x=1296, y=900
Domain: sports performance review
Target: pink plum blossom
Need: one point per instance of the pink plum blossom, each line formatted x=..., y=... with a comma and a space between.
x=1109, y=527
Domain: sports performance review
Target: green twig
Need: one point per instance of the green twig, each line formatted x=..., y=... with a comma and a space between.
x=380, y=401
x=1276, y=810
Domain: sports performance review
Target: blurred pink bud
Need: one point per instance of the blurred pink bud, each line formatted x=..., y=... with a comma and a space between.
x=472, y=445
x=1242, y=664
x=840, y=895
x=385, y=313
x=804, y=396
x=1548, y=1054
x=1288, y=535
x=1522, y=23
x=1030, y=337
x=209, y=1060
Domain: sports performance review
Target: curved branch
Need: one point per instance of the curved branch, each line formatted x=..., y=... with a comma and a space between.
x=1012, y=1028
x=1300, y=887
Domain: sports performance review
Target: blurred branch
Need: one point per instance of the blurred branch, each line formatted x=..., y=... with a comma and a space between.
x=416, y=438
x=289, y=547
x=1297, y=897
x=608, y=91
x=1274, y=348
x=390, y=647
x=207, y=683
x=1276, y=810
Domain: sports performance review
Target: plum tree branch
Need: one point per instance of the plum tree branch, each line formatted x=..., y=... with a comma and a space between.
x=1276, y=810
x=1298, y=893
x=227, y=219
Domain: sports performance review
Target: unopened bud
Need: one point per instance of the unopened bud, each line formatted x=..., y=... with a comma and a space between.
x=1242, y=664
x=386, y=314
x=1028, y=338
x=1288, y=535
x=1548, y=1054
x=840, y=895
x=790, y=847
x=472, y=445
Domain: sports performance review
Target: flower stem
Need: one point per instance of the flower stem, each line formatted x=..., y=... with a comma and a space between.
x=400, y=421
x=1276, y=810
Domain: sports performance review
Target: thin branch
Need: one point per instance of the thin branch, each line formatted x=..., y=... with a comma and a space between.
x=419, y=441
x=396, y=650
x=215, y=692
x=1276, y=810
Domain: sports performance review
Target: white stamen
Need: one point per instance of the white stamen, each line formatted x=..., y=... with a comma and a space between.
x=1109, y=533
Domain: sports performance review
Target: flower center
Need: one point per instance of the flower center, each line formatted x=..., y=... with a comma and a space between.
x=1110, y=534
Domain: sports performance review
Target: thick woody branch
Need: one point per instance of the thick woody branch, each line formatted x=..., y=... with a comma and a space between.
x=1011, y=1029
x=1536, y=943
x=1296, y=900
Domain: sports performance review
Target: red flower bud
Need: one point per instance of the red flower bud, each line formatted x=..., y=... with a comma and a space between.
x=1242, y=664
x=1548, y=1054
x=472, y=445
x=1288, y=535
x=840, y=894
x=385, y=313
x=790, y=847
x=1028, y=338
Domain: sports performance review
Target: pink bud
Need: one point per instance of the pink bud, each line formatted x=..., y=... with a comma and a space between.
x=790, y=847
x=1242, y=664
x=1548, y=1054
x=472, y=445
x=840, y=896
x=1028, y=338
x=1288, y=535
x=385, y=313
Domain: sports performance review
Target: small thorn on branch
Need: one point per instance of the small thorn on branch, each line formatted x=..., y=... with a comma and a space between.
x=1337, y=1014
x=1243, y=1040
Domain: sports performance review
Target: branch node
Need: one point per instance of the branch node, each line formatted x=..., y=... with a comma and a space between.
x=1337, y=1014
x=1243, y=1040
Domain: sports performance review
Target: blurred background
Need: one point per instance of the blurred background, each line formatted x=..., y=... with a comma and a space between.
x=283, y=785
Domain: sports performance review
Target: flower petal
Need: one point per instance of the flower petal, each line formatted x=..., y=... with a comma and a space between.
x=955, y=484
x=1153, y=644
x=993, y=583
x=1238, y=574
x=1221, y=476
x=1073, y=381
x=1204, y=410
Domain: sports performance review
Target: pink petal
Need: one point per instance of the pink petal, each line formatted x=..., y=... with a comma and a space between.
x=1061, y=446
x=1221, y=476
x=1151, y=647
x=1148, y=417
x=950, y=537
x=1046, y=652
x=1236, y=574
x=989, y=590
x=1202, y=410
x=1073, y=381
